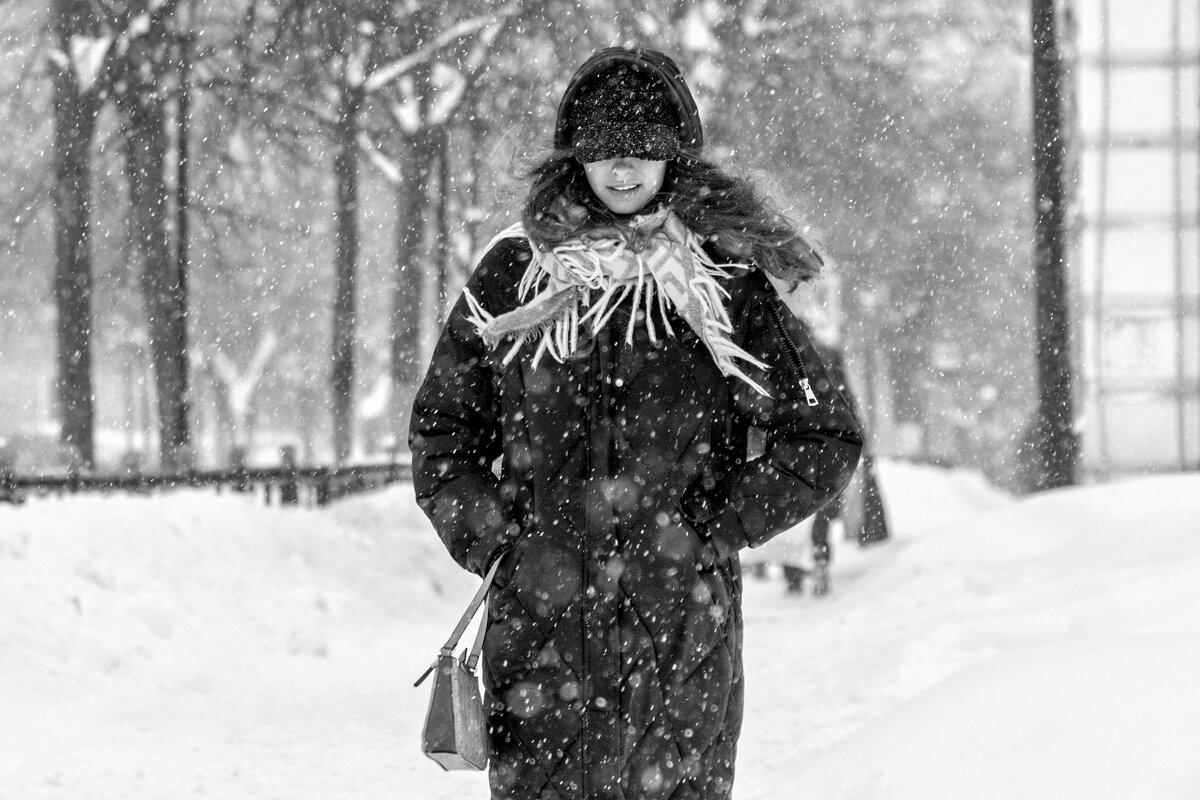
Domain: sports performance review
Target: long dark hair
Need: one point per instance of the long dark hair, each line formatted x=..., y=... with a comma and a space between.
x=726, y=211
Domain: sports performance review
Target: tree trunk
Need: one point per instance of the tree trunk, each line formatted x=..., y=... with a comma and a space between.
x=442, y=216
x=1054, y=431
x=75, y=111
x=406, y=367
x=162, y=284
x=346, y=265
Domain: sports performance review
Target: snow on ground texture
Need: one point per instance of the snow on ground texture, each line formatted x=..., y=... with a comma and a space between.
x=202, y=645
x=1047, y=649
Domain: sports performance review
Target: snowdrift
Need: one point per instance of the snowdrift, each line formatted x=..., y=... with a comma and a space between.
x=1062, y=642
x=197, y=644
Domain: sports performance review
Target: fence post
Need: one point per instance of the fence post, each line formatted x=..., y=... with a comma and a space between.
x=324, y=489
x=74, y=479
x=289, y=489
x=8, y=477
x=131, y=467
x=237, y=465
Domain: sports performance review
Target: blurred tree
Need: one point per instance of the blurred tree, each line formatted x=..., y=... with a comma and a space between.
x=423, y=109
x=142, y=76
x=123, y=51
x=76, y=59
x=898, y=131
x=350, y=51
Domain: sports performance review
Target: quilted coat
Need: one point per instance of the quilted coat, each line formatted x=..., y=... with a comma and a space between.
x=617, y=488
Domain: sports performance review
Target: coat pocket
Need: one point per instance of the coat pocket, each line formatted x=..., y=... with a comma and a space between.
x=715, y=574
x=710, y=565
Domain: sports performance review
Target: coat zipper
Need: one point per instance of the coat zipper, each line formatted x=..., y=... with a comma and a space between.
x=597, y=394
x=809, y=395
x=586, y=574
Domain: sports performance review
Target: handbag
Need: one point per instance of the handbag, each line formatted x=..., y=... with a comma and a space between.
x=455, y=733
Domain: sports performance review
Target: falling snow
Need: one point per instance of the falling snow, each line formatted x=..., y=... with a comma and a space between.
x=269, y=272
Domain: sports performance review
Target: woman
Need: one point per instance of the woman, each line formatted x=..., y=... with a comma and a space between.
x=584, y=418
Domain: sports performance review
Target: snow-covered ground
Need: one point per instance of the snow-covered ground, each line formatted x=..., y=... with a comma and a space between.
x=203, y=645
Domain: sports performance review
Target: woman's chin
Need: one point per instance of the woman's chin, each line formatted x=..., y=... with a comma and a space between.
x=625, y=206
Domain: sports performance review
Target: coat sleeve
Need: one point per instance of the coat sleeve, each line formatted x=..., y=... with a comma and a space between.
x=811, y=448
x=454, y=434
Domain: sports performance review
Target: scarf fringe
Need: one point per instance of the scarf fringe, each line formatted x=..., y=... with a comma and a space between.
x=672, y=270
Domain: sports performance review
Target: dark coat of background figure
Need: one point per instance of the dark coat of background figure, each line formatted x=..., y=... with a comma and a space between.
x=872, y=522
x=623, y=495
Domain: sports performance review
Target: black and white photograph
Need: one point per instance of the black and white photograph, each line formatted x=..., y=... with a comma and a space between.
x=600, y=399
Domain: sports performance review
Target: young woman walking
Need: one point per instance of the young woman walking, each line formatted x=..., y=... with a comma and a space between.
x=585, y=418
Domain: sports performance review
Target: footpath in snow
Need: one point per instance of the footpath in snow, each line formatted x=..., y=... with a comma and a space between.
x=202, y=645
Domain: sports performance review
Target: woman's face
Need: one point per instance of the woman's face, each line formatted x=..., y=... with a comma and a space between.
x=625, y=185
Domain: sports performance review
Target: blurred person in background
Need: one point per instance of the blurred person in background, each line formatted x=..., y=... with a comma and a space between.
x=858, y=511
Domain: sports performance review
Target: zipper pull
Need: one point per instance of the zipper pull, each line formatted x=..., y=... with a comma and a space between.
x=809, y=394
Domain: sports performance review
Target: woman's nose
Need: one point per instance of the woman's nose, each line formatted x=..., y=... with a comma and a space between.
x=622, y=165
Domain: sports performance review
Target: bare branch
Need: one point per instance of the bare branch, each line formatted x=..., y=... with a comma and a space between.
x=387, y=167
x=241, y=384
x=389, y=74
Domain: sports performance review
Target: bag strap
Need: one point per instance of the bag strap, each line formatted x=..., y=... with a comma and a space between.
x=472, y=608
x=477, y=647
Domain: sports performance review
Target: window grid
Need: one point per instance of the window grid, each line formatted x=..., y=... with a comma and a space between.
x=1119, y=66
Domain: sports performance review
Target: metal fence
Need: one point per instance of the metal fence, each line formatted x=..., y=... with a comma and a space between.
x=283, y=485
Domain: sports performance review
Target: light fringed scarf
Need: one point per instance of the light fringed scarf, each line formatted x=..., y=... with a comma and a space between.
x=654, y=264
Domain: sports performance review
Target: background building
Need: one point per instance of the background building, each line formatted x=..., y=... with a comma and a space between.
x=1137, y=261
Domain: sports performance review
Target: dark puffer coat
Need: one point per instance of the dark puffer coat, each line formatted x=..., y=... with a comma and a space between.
x=618, y=486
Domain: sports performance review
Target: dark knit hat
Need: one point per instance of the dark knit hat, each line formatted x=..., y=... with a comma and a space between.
x=624, y=102
x=623, y=112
